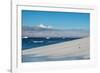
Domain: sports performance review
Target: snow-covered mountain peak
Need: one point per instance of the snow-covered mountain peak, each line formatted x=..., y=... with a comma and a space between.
x=44, y=26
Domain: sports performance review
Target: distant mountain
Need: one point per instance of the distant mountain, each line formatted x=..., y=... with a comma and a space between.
x=40, y=27
x=43, y=26
x=48, y=31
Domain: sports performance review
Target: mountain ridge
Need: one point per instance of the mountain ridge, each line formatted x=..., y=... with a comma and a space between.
x=43, y=31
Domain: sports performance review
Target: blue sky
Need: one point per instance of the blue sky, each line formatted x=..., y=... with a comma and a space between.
x=59, y=20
